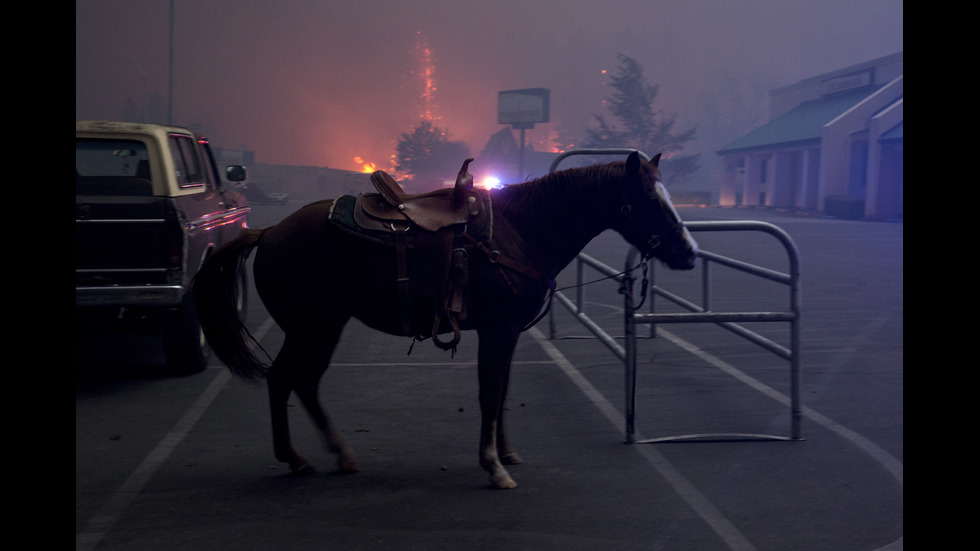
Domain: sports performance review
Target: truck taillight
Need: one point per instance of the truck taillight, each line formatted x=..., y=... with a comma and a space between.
x=175, y=254
x=175, y=248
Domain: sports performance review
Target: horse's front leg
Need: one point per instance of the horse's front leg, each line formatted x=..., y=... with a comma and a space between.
x=507, y=454
x=280, y=388
x=495, y=352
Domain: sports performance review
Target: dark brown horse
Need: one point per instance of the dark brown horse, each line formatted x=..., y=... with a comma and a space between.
x=312, y=277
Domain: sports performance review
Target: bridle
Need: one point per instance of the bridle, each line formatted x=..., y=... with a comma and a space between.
x=655, y=239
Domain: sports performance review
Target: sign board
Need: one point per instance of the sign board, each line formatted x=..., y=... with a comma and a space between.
x=846, y=82
x=523, y=108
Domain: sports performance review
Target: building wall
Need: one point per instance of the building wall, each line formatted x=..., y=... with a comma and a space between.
x=848, y=164
x=879, y=71
x=838, y=138
x=885, y=166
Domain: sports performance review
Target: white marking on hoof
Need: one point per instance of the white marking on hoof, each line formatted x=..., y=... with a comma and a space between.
x=503, y=481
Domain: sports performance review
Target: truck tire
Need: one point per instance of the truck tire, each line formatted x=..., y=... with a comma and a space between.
x=184, y=347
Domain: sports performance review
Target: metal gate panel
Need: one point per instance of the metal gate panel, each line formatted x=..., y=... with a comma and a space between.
x=703, y=313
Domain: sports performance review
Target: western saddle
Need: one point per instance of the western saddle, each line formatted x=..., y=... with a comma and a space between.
x=431, y=234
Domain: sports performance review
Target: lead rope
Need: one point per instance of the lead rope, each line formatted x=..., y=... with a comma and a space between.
x=622, y=289
x=624, y=272
x=643, y=286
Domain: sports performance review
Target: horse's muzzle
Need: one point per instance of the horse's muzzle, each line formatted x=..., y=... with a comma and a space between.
x=686, y=255
x=687, y=262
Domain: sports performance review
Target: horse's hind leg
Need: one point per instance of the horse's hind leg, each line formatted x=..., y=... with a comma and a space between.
x=280, y=387
x=496, y=349
x=299, y=367
x=308, y=395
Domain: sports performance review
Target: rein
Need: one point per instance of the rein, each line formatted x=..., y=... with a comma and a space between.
x=643, y=262
x=496, y=257
x=622, y=289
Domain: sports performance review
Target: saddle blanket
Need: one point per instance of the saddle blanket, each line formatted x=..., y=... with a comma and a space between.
x=342, y=216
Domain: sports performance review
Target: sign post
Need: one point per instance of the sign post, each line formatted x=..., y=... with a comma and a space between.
x=522, y=109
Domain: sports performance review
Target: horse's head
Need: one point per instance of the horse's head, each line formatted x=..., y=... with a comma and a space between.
x=649, y=220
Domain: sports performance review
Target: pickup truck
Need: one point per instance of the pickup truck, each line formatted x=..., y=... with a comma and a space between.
x=150, y=206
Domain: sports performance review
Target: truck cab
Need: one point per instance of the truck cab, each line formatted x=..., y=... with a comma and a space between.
x=150, y=206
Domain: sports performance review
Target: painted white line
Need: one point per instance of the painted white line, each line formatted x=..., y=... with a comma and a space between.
x=701, y=504
x=97, y=527
x=890, y=463
x=466, y=363
x=714, y=518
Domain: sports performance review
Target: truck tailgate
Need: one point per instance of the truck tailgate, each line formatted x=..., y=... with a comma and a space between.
x=126, y=241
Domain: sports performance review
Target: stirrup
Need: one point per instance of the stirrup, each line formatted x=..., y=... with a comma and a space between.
x=456, y=333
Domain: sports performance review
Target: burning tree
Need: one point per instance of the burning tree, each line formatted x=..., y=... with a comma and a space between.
x=428, y=154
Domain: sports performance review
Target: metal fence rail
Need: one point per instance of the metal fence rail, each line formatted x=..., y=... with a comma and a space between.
x=702, y=313
x=732, y=321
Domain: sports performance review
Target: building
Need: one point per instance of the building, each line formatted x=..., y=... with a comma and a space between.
x=833, y=144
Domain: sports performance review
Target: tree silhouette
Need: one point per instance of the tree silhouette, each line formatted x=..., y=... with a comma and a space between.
x=642, y=127
x=428, y=154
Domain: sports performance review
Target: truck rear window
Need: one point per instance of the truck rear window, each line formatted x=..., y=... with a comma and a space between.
x=111, y=167
x=186, y=161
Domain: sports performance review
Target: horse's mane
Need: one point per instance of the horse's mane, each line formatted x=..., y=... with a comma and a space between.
x=560, y=189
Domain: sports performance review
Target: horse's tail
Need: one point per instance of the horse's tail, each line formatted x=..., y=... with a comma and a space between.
x=216, y=288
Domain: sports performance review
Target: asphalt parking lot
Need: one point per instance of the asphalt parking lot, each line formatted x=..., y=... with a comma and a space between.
x=148, y=478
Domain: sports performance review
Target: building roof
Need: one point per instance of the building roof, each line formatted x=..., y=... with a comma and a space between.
x=799, y=125
x=895, y=133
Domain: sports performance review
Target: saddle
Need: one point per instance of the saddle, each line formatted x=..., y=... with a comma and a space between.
x=431, y=234
x=432, y=211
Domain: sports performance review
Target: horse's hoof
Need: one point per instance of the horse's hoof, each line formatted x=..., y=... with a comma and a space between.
x=511, y=459
x=302, y=469
x=503, y=481
x=348, y=466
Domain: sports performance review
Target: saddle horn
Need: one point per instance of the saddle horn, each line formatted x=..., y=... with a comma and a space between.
x=464, y=182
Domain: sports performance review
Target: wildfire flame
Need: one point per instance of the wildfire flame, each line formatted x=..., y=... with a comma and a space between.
x=366, y=167
x=427, y=71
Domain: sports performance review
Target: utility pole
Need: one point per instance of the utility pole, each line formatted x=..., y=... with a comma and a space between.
x=143, y=93
x=170, y=93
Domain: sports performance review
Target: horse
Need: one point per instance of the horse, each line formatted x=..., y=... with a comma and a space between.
x=312, y=277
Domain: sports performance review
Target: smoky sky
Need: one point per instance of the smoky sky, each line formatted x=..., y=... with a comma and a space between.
x=321, y=82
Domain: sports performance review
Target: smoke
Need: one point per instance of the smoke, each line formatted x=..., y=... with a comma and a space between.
x=320, y=83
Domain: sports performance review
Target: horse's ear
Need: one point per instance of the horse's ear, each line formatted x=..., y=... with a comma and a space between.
x=633, y=163
x=656, y=160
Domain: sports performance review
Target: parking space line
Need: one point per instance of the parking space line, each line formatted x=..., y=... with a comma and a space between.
x=97, y=527
x=888, y=462
x=701, y=504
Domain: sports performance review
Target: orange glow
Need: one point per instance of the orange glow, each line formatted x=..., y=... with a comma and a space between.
x=366, y=167
x=427, y=78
